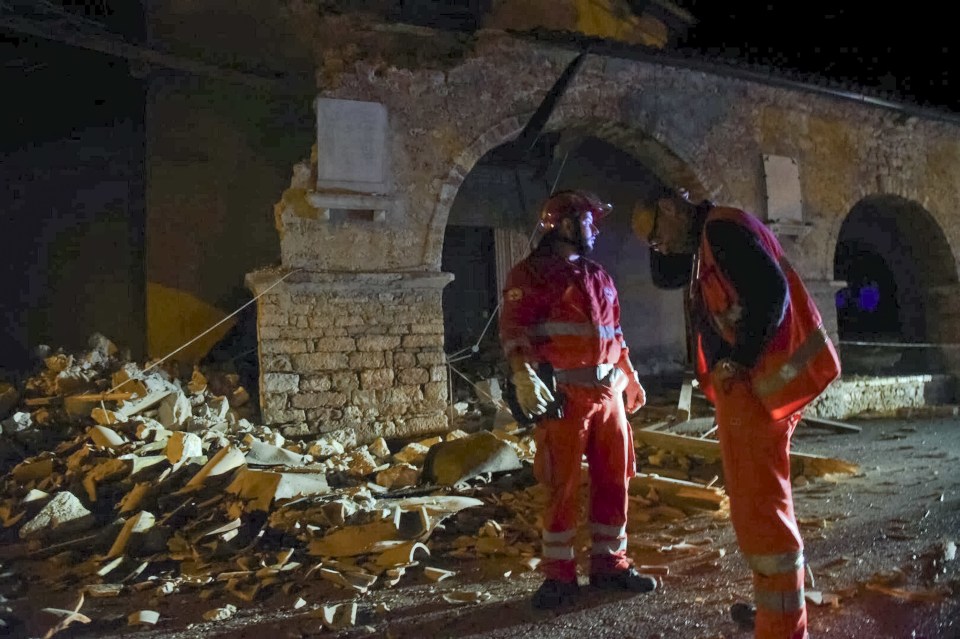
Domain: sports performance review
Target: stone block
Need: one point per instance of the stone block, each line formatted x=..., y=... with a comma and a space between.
x=283, y=346
x=345, y=381
x=276, y=363
x=269, y=332
x=319, y=362
x=404, y=360
x=335, y=344
x=283, y=416
x=379, y=343
x=435, y=390
x=431, y=358
x=423, y=425
x=376, y=378
x=427, y=328
x=315, y=383
x=275, y=401
x=413, y=376
x=298, y=332
x=423, y=341
x=281, y=383
x=319, y=400
x=366, y=360
x=275, y=318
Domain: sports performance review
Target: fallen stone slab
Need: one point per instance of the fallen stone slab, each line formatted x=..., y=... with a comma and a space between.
x=259, y=489
x=262, y=454
x=62, y=515
x=450, y=462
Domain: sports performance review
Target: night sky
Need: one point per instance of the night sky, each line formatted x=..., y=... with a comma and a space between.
x=904, y=50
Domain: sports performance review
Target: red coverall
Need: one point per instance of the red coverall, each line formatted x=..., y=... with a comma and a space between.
x=568, y=315
x=755, y=444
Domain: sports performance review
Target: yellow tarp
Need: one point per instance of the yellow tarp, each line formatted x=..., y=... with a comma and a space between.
x=175, y=317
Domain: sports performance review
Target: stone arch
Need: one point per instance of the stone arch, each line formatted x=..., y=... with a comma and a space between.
x=656, y=154
x=900, y=245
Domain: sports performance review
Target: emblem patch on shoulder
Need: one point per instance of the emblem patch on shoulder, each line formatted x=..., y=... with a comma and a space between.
x=514, y=294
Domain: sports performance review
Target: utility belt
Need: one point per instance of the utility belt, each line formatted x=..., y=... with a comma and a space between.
x=601, y=375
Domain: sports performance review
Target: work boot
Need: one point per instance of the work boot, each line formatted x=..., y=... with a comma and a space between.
x=553, y=593
x=628, y=579
x=744, y=614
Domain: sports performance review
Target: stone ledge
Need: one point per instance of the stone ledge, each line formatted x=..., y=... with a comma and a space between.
x=882, y=396
x=318, y=282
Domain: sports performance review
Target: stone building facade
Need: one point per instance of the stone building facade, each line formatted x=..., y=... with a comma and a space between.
x=352, y=341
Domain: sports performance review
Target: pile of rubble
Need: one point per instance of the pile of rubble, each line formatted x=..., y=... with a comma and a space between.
x=153, y=483
x=164, y=485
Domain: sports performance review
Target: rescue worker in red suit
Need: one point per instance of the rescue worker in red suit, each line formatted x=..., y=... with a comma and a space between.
x=761, y=356
x=562, y=309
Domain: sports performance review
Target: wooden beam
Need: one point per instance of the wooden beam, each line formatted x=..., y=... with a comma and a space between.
x=801, y=463
x=838, y=427
x=679, y=493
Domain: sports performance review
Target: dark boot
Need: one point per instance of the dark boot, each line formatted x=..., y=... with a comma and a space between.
x=628, y=579
x=744, y=614
x=553, y=594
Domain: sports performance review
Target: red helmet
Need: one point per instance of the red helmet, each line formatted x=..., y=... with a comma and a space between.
x=573, y=204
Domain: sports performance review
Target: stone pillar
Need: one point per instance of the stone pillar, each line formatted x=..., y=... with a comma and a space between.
x=824, y=295
x=943, y=326
x=356, y=355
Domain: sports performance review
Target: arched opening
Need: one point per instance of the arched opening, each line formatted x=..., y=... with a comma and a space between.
x=894, y=259
x=489, y=228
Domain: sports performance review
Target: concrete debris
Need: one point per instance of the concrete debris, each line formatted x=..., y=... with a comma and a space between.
x=399, y=476
x=62, y=515
x=220, y=614
x=818, y=598
x=64, y=617
x=379, y=448
x=164, y=486
x=413, y=453
x=437, y=574
x=263, y=454
x=19, y=422
x=340, y=616
x=466, y=596
x=143, y=617
x=182, y=446
x=465, y=458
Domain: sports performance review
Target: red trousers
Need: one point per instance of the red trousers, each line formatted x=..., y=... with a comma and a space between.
x=595, y=425
x=756, y=470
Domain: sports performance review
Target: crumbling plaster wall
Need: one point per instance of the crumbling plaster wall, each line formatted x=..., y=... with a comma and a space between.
x=443, y=121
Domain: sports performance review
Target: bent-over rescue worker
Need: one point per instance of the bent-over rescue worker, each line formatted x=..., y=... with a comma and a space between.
x=562, y=309
x=761, y=356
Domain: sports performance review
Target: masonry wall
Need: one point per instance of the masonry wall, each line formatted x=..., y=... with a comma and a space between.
x=356, y=356
x=451, y=100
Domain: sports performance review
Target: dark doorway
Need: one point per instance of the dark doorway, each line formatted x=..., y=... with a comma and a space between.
x=470, y=299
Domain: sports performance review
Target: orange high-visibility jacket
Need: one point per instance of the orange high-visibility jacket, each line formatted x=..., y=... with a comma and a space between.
x=799, y=361
x=561, y=313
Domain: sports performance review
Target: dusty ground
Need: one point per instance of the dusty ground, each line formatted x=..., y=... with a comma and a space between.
x=874, y=539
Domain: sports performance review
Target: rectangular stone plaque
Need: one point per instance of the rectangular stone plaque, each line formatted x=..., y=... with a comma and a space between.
x=783, y=189
x=352, y=151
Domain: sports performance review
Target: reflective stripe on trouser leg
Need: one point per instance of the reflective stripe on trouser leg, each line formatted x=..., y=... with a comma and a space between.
x=608, y=540
x=558, y=546
x=560, y=445
x=610, y=457
x=781, y=612
x=756, y=465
